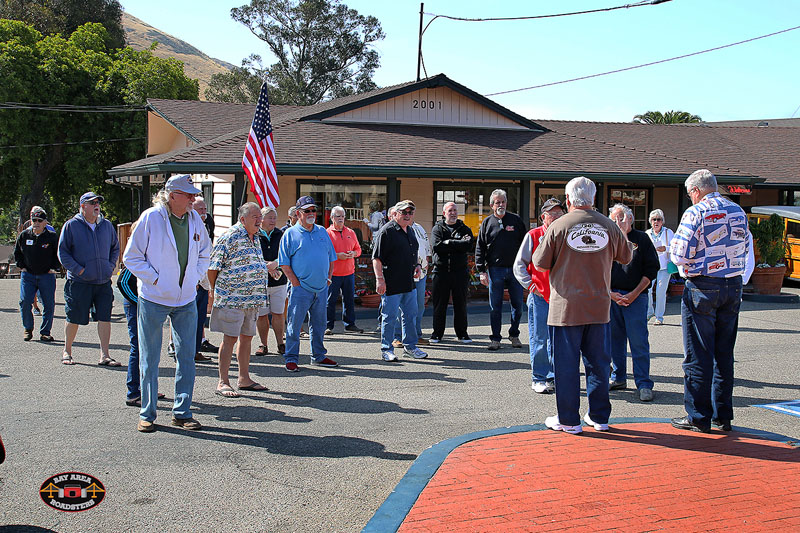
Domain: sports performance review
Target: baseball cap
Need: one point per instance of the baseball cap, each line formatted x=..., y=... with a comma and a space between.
x=305, y=201
x=89, y=196
x=182, y=183
x=405, y=204
x=550, y=204
x=38, y=212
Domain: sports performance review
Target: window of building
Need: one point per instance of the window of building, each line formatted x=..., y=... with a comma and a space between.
x=636, y=199
x=361, y=202
x=472, y=200
x=789, y=197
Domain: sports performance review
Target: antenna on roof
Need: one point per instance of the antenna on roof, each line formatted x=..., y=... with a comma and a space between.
x=419, y=47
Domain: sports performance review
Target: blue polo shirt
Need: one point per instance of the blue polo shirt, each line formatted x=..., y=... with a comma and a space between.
x=309, y=255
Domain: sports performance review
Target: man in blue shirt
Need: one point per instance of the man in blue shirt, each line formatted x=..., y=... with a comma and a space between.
x=710, y=248
x=306, y=256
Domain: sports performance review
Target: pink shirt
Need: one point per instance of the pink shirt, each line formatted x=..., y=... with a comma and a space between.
x=344, y=241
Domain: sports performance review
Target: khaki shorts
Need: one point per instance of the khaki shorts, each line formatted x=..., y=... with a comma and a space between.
x=234, y=322
x=276, y=301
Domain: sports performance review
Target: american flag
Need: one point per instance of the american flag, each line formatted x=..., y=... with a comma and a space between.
x=258, y=160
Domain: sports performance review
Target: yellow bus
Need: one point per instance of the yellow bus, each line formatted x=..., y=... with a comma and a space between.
x=791, y=232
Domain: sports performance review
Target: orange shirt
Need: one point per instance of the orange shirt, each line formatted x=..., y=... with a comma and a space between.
x=344, y=241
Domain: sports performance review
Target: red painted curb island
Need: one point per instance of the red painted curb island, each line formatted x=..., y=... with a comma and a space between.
x=636, y=477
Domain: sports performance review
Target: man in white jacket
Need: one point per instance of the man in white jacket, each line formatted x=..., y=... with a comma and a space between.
x=169, y=253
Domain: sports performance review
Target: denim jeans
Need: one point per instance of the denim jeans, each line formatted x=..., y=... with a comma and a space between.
x=569, y=343
x=629, y=325
x=419, y=286
x=45, y=285
x=710, y=317
x=347, y=286
x=131, y=316
x=501, y=278
x=151, y=319
x=202, y=312
x=301, y=303
x=406, y=303
x=539, y=342
x=660, y=284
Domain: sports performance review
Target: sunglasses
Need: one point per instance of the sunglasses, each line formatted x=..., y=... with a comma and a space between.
x=657, y=220
x=407, y=213
x=37, y=219
x=93, y=202
x=309, y=210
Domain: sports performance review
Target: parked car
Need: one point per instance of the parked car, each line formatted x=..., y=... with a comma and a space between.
x=791, y=233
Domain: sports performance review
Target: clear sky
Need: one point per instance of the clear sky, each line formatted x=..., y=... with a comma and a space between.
x=755, y=80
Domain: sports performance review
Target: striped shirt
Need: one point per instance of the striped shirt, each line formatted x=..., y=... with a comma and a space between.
x=712, y=239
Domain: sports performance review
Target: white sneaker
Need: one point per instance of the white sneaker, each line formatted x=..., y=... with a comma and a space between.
x=542, y=387
x=434, y=340
x=553, y=423
x=465, y=340
x=416, y=353
x=388, y=355
x=597, y=427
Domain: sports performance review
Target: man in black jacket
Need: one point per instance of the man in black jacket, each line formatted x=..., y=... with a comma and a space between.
x=499, y=238
x=36, y=255
x=452, y=239
x=629, y=307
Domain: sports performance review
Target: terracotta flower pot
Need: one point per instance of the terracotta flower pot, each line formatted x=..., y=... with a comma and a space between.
x=768, y=280
x=675, y=289
x=370, y=300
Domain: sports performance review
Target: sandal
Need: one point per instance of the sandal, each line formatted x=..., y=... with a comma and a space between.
x=107, y=361
x=262, y=350
x=66, y=359
x=253, y=387
x=226, y=391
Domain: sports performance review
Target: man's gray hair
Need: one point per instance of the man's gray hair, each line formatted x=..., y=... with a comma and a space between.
x=245, y=209
x=495, y=194
x=702, y=179
x=657, y=213
x=292, y=211
x=267, y=210
x=338, y=209
x=625, y=210
x=581, y=191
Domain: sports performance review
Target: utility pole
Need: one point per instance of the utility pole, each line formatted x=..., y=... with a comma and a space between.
x=419, y=48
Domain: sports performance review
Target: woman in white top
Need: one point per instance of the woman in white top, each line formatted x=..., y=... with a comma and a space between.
x=661, y=238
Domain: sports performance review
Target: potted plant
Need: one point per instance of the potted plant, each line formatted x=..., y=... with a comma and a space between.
x=676, y=285
x=770, y=252
x=365, y=291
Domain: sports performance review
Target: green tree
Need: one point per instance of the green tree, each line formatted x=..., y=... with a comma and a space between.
x=47, y=157
x=324, y=49
x=65, y=16
x=670, y=117
x=239, y=85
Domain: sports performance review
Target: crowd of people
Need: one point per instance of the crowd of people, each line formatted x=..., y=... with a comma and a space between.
x=593, y=284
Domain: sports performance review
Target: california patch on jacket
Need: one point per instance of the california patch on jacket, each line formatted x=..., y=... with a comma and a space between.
x=587, y=237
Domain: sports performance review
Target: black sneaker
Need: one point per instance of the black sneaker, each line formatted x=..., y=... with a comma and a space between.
x=353, y=328
x=684, y=422
x=724, y=425
x=206, y=346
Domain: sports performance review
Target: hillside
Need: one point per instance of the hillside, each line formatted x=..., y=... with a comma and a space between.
x=140, y=35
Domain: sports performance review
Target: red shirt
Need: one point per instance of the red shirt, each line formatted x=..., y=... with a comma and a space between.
x=344, y=241
x=541, y=280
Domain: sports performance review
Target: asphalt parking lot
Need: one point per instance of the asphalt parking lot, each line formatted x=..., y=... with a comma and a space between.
x=323, y=448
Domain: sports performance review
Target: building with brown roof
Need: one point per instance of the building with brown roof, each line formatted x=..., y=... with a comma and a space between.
x=436, y=141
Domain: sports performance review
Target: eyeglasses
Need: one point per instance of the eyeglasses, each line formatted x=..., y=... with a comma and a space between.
x=407, y=213
x=37, y=219
x=92, y=202
x=689, y=192
x=656, y=220
x=185, y=194
x=309, y=210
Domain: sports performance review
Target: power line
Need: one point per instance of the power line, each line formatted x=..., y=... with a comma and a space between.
x=67, y=108
x=644, y=64
x=73, y=143
x=488, y=19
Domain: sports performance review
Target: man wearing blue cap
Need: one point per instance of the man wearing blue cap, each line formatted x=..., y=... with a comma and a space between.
x=306, y=255
x=88, y=249
x=169, y=253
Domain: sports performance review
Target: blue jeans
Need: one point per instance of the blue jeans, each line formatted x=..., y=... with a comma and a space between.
x=131, y=316
x=347, y=286
x=184, y=328
x=501, y=278
x=202, y=311
x=45, y=285
x=301, y=303
x=539, y=343
x=629, y=325
x=660, y=284
x=710, y=317
x=419, y=286
x=569, y=344
x=406, y=303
